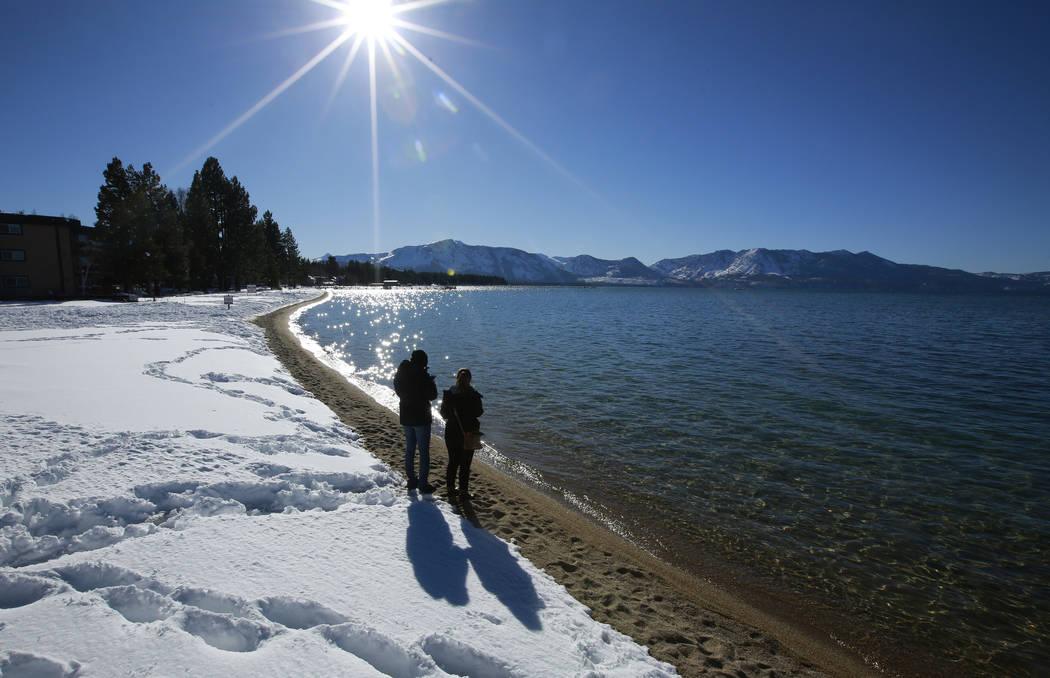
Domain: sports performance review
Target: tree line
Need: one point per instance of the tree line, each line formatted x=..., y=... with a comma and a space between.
x=364, y=273
x=208, y=237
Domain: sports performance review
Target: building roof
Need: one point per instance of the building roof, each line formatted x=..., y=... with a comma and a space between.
x=14, y=218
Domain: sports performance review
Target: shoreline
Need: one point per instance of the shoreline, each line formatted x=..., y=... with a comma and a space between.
x=683, y=620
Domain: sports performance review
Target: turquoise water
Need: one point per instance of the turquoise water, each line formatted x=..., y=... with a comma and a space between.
x=884, y=456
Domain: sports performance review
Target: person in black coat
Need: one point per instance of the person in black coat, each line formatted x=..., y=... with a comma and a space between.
x=415, y=389
x=460, y=407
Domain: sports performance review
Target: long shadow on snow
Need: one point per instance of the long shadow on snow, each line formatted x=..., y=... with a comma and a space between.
x=441, y=567
x=502, y=576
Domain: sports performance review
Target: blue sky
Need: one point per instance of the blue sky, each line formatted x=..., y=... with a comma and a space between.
x=919, y=131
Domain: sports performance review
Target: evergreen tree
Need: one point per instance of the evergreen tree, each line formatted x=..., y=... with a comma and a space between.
x=293, y=266
x=158, y=229
x=114, y=224
x=203, y=215
x=240, y=241
x=331, y=268
x=173, y=242
x=203, y=238
x=272, y=249
x=139, y=234
x=227, y=245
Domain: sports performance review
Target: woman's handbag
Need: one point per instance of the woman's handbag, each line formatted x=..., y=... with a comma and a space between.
x=471, y=440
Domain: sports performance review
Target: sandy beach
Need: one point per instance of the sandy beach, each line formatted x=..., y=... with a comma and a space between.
x=685, y=621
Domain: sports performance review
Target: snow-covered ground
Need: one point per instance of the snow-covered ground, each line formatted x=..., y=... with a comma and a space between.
x=173, y=503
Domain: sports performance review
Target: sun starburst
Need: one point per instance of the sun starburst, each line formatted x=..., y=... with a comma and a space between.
x=372, y=26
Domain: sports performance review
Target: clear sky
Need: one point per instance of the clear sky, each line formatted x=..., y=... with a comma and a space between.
x=919, y=131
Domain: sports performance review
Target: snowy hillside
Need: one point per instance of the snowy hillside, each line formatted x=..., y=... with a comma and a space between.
x=514, y=265
x=591, y=269
x=760, y=261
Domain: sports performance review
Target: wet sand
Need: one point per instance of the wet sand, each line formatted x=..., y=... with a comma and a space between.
x=683, y=620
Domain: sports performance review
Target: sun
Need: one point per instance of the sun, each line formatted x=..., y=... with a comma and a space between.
x=371, y=19
x=376, y=29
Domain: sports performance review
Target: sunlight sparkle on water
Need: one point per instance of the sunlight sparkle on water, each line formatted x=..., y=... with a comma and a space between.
x=388, y=314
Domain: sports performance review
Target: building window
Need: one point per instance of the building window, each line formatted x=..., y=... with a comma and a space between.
x=16, y=281
x=12, y=255
x=11, y=229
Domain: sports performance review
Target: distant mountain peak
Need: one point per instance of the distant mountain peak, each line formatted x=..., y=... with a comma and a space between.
x=447, y=243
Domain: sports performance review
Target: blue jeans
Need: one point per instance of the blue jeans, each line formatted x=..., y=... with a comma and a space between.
x=417, y=435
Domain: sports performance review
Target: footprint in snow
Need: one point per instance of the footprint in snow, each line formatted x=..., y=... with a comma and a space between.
x=213, y=601
x=298, y=614
x=201, y=434
x=25, y=665
x=224, y=632
x=460, y=659
x=138, y=605
x=90, y=576
x=233, y=624
x=265, y=470
x=383, y=653
x=18, y=590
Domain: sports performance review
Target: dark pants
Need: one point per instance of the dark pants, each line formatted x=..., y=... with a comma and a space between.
x=458, y=462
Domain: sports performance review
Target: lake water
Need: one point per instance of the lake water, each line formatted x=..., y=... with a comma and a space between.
x=882, y=456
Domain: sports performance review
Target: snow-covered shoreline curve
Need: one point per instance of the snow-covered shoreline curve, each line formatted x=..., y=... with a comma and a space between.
x=172, y=501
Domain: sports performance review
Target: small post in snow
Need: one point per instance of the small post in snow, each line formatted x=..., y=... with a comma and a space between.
x=228, y=300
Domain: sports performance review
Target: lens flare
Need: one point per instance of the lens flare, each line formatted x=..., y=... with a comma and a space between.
x=443, y=101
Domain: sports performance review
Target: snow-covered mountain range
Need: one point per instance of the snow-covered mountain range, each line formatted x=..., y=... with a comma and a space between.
x=758, y=267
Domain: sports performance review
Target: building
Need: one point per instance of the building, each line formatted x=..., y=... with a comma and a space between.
x=39, y=256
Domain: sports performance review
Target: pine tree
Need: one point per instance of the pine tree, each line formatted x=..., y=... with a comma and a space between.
x=240, y=240
x=204, y=212
x=203, y=238
x=272, y=249
x=331, y=267
x=114, y=223
x=139, y=235
x=293, y=265
x=157, y=230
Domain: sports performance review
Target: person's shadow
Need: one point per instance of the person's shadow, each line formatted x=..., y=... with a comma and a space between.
x=441, y=567
x=502, y=576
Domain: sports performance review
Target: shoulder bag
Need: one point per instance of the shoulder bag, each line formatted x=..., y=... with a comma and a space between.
x=471, y=440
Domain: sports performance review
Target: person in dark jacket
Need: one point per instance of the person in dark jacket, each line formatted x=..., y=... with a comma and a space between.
x=460, y=407
x=415, y=389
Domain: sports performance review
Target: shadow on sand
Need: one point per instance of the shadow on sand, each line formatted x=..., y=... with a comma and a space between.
x=441, y=567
